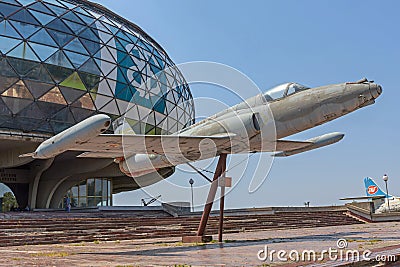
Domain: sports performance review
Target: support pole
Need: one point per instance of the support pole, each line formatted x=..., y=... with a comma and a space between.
x=221, y=212
x=221, y=167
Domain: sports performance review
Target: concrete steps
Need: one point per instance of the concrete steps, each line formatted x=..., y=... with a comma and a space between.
x=35, y=228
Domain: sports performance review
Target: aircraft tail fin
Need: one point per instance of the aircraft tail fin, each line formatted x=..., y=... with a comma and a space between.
x=372, y=189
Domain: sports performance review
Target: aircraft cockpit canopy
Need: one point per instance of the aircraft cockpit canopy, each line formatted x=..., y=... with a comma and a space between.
x=284, y=90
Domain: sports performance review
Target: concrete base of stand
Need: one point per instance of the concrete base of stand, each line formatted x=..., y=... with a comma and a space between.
x=197, y=239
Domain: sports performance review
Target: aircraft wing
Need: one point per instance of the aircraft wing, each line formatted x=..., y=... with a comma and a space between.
x=114, y=146
x=192, y=147
x=363, y=198
x=86, y=137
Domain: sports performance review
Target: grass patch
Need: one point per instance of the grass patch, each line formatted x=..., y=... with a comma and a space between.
x=81, y=244
x=51, y=254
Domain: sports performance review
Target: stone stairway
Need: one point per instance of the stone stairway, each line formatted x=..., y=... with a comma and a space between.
x=52, y=228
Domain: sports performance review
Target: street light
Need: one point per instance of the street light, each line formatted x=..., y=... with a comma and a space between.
x=191, y=182
x=386, y=178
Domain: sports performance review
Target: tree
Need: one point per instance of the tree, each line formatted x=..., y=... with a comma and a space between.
x=9, y=201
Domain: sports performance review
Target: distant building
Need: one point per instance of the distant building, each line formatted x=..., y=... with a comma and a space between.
x=63, y=61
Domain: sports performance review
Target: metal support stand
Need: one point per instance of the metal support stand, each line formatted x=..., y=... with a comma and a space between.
x=221, y=213
x=219, y=171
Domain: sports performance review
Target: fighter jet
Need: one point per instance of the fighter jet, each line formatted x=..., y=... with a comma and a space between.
x=255, y=125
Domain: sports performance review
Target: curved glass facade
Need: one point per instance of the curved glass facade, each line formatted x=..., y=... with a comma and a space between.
x=63, y=61
x=90, y=193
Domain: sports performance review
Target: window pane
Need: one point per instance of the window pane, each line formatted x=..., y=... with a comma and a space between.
x=82, y=189
x=90, y=187
x=98, y=187
x=91, y=202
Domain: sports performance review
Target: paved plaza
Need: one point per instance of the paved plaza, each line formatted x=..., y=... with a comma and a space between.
x=243, y=249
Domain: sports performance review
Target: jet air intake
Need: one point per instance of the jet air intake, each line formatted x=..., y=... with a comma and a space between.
x=245, y=125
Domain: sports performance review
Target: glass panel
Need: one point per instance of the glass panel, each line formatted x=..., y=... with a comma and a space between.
x=16, y=104
x=75, y=191
x=26, y=2
x=90, y=80
x=7, y=9
x=43, y=37
x=5, y=82
x=100, y=26
x=92, y=47
x=90, y=187
x=82, y=202
x=37, y=89
x=27, y=124
x=58, y=73
x=5, y=68
x=76, y=59
x=59, y=59
x=291, y=89
x=71, y=95
x=82, y=189
x=24, y=16
x=105, y=187
x=49, y=108
x=85, y=102
x=98, y=188
x=18, y=90
x=7, y=30
x=39, y=73
x=42, y=18
x=6, y=44
x=90, y=67
x=61, y=38
x=54, y=2
x=74, y=202
x=89, y=34
x=23, y=51
x=59, y=25
x=58, y=10
x=24, y=29
x=99, y=201
x=43, y=51
x=75, y=27
x=32, y=112
x=81, y=114
x=86, y=20
x=38, y=6
x=72, y=17
x=74, y=81
x=276, y=92
x=54, y=96
x=91, y=202
x=60, y=126
x=45, y=127
x=64, y=116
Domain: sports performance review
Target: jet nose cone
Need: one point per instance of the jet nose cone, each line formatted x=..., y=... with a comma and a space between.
x=376, y=90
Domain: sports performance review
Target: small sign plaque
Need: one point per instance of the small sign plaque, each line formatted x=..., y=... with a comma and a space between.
x=225, y=182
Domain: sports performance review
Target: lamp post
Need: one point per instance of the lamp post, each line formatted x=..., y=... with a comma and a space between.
x=386, y=178
x=191, y=182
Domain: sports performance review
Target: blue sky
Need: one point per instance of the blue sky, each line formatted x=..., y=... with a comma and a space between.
x=309, y=42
